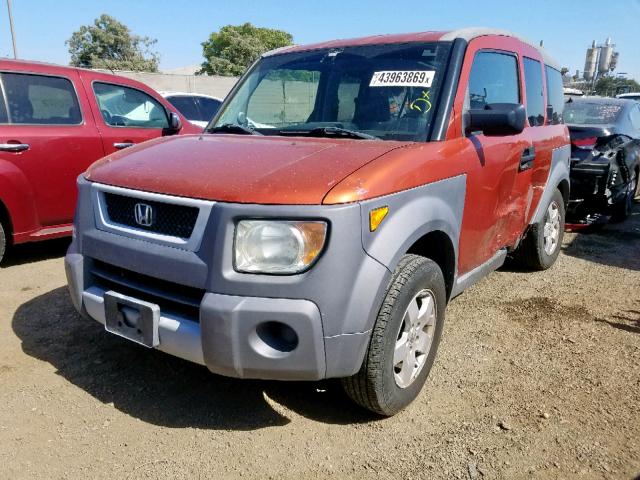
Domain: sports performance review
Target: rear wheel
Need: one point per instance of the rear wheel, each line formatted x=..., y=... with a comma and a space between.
x=404, y=339
x=541, y=247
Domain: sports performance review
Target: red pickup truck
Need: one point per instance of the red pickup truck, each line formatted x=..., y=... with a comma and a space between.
x=343, y=194
x=55, y=122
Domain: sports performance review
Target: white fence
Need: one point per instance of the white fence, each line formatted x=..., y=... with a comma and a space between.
x=208, y=85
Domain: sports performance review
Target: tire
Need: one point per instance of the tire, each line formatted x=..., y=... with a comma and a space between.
x=3, y=242
x=621, y=210
x=417, y=285
x=534, y=251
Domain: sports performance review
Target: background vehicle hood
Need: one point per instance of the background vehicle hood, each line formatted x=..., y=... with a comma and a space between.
x=239, y=168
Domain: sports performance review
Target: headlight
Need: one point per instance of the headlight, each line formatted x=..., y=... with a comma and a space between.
x=270, y=246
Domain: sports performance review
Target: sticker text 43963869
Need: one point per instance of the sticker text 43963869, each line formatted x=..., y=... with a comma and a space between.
x=402, y=78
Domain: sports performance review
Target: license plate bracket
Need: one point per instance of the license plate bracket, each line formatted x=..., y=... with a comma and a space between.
x=133, y=319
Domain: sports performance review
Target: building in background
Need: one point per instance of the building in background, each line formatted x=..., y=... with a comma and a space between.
x=600, y=60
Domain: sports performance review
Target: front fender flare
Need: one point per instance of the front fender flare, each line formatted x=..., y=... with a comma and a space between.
x=437, y=206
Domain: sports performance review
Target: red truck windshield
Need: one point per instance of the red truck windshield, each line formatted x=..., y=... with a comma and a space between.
x=388, y=92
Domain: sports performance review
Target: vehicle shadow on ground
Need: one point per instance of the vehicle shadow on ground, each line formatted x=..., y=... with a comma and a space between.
x=615, y=244
x=629, y=322
x=165, y=390
x=35, y=252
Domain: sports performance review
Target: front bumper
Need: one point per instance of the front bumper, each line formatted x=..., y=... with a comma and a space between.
x=331, y=308
x=224, y=337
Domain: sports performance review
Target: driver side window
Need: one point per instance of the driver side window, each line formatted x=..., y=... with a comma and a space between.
x=128, y=107
x=493, y=79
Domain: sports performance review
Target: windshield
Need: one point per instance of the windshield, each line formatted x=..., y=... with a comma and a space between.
x=384, y=91
x=586, y=113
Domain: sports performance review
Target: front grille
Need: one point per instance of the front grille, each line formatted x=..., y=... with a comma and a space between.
x=166, y=218
x=169, y=296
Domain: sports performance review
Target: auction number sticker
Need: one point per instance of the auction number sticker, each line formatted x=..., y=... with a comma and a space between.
x=402, y=78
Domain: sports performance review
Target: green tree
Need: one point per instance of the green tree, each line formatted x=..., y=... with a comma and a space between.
x=231, y=50
x=110, y=44
x=610, y=86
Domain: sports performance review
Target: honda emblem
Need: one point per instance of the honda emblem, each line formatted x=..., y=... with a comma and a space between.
x=144, y=215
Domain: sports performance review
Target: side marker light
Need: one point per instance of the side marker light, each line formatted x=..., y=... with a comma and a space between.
x=376, y=216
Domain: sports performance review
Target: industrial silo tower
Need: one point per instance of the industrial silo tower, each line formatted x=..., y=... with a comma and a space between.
x=591, y=62
x=606, y=54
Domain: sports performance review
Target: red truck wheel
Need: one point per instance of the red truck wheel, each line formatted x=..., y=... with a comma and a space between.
x=404, y=339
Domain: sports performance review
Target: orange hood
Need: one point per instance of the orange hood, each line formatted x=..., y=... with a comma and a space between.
x=239, y=168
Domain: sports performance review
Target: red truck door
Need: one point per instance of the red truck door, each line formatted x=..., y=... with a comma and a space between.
x=499, y=178
x=125, y=114
x=49, y=136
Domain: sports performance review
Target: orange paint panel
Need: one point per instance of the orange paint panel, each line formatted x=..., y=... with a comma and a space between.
x=238, y=168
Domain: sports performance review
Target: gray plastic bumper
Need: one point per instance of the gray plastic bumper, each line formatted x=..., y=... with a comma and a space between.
x=228, y=339
x=234, y=346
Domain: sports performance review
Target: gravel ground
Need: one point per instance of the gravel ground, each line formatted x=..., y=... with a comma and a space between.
x=538, y=376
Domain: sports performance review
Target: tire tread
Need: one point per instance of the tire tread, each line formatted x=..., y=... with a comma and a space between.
x=361, y=387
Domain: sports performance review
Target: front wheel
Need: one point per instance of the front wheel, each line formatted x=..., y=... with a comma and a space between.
x=541, y=246
x=404, y=339
x=3, y=242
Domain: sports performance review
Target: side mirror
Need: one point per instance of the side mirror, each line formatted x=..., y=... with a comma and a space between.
x=175, y=124
x=497, y=119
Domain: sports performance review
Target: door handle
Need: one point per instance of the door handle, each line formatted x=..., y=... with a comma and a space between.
x=527, y=158
x=122, y=145
x=13, y=147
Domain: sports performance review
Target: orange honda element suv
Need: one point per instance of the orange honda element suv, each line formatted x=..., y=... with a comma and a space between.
x=342, y=195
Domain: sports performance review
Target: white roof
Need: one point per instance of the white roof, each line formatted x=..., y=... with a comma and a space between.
x=474, y=32
x=187, y=94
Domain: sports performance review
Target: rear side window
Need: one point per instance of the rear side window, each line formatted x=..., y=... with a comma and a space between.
x=196, y=108
x=128, y=107
x=493, y=79
x=40, y=100
x=208, y=107
x=535, y=93
x=186, y=105
x=555, y=96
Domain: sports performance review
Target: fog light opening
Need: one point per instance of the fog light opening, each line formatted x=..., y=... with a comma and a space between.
x=274, y=339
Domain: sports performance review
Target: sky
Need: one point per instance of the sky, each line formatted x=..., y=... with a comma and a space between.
x=567, y=26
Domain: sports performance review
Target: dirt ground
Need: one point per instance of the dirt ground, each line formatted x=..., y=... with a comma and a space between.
x=538, y=376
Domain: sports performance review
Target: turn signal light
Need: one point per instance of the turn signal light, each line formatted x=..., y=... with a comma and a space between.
x=376, y=216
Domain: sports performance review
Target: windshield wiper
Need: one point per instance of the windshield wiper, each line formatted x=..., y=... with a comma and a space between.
x=337, y=132
x=233, y=128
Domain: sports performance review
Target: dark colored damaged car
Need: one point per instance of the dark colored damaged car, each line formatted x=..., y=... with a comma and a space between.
x=605, y=158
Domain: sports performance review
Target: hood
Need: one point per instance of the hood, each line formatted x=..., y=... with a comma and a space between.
x=238, y=168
